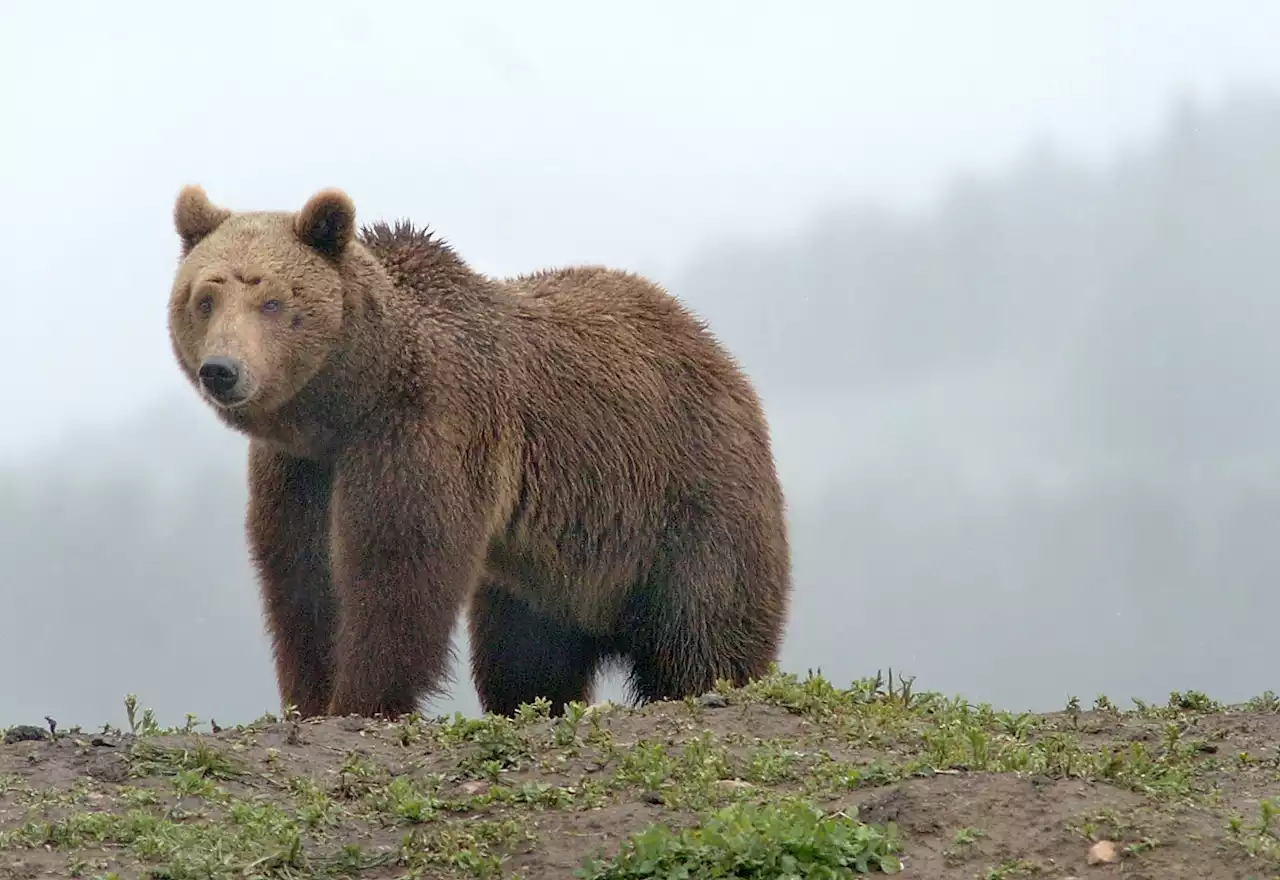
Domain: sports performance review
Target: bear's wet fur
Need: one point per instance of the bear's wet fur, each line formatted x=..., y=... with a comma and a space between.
x=570, y=455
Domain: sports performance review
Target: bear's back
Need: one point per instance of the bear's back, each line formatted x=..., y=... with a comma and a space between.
x=613, y=343
x=641, y=438
x=625, y=390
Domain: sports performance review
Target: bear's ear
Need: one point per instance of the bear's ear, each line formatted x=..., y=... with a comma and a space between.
x=194, y=216
x=327, y=222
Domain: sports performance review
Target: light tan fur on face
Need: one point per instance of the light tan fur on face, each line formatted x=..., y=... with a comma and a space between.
x=262, y=289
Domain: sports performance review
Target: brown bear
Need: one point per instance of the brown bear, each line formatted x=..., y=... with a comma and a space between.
x=570, y=453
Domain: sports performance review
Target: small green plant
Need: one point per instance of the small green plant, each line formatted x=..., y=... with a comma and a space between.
x=1267, y=701
x=791, y=838
x=144, y=726
x=1258, y=839
x=1192, y=701
x=148, y=759
x=967, y=836
x=1011, y=868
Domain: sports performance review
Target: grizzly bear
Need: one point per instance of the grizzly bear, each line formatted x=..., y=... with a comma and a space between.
x=569, y=455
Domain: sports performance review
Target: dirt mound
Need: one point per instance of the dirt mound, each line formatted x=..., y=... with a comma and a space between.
x=786, y=777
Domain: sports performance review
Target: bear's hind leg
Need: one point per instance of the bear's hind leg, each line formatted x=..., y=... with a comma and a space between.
x=518, y=655
x=286, y=524
x=705, y=616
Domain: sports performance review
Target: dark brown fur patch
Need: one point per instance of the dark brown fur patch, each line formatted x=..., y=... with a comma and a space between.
x=327, y=222
x=569, y=454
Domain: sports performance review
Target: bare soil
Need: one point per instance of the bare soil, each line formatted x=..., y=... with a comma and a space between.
x=1179, y=790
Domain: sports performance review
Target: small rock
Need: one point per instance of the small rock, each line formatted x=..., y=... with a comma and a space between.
x=24, y=733
x=1104, y=851
x=652, y=797
x=475, y=787
x=712, y=701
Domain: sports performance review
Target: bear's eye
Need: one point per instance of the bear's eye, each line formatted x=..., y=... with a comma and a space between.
x=205, y=304
x=271, y=306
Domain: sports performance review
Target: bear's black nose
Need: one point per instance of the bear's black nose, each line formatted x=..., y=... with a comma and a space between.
x=219, y=375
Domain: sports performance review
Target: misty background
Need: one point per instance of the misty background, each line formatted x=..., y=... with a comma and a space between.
x=1002, y=271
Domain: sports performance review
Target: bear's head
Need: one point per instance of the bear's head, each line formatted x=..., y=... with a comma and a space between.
x=256, y=307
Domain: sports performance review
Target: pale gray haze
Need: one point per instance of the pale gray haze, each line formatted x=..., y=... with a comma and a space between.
x=1005, y=274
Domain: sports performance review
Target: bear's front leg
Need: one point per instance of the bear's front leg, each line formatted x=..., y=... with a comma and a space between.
x=287, y=526
x=406, y=546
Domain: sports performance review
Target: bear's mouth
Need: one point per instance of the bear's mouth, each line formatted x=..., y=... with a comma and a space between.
x=223, y=401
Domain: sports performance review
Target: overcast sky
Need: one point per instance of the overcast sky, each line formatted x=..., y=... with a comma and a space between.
x=528, y=134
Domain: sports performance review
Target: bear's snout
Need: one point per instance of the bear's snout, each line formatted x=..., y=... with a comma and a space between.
x=220, y=377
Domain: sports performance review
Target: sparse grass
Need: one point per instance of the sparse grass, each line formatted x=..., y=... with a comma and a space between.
x=1259, y=837
x=790, y=838
x=789, y=776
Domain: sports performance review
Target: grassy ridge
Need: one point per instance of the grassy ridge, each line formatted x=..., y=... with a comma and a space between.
x=787, y=777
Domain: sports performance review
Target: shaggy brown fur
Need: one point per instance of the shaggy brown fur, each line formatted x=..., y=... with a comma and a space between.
x=570, y=452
